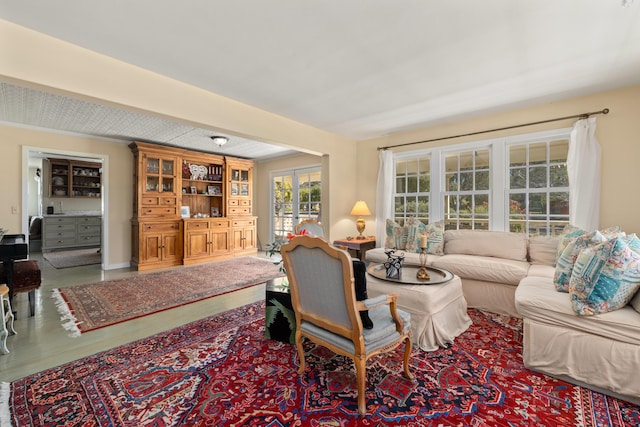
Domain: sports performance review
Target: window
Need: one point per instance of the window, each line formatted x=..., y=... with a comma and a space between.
x=538, y=187
x=518, y=183
x=466, y=192
x=413, y=186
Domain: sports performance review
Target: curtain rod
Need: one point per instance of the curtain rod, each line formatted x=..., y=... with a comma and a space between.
x=582, y=116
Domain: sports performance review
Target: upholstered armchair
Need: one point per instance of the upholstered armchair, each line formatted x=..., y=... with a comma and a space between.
x=324, y=301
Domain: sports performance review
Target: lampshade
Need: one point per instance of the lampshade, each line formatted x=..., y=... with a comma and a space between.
x=360, y=209
x=220, y=140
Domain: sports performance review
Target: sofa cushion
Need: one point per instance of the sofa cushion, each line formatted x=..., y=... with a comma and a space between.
x=543, y=249
x=499, y=244
x=565, y=263
x=378, y=255
x=541, y=270
x=537, y=299
x=396, y=236
x=489, y=269
x=605, y=277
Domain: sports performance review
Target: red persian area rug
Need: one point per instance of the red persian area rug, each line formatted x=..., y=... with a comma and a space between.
x=221, y=371
x=87, y=307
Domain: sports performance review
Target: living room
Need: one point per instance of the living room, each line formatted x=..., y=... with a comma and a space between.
x=349, y=167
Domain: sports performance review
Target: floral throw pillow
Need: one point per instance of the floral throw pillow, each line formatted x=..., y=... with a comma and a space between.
x=569, y=233
x=396, y=237
x=435, y=238
x=415, y=229
x=565, y=263
x=605, y=276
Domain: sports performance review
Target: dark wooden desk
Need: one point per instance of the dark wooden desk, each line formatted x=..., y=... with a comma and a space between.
x=12, y=247
x=357, y=247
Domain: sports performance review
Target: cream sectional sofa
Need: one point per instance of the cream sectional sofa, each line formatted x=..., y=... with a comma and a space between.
x=508, y=273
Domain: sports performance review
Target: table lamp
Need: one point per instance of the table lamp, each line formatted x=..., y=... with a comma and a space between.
x=359, y=210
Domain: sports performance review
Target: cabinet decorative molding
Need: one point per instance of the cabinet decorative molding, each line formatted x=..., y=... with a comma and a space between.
x=184, y=211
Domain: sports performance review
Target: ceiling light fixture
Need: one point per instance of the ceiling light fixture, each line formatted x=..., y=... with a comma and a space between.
x=220, y=140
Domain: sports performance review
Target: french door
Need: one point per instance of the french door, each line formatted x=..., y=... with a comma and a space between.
x=295, y=197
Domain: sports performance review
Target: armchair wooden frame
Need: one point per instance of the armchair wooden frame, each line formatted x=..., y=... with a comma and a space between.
x=352, y=331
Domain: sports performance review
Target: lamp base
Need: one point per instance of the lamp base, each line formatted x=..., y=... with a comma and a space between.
x=360, y=227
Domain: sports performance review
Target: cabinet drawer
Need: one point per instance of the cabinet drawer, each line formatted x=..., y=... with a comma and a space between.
x=158, y=211
x=159, y=201
x=221, y=223
x=89, y=230
x=89, y=220
x=54, y=222
x=239, y=202
x=61, y=241
x=153, y=201
x=197, y=225
x=239, y=211
x=89, y=240
x=69, y=233
x=60, y=228
x=243, y=222
x=160, y=227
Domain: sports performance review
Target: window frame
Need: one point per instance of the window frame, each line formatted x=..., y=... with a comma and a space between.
x=498, y=169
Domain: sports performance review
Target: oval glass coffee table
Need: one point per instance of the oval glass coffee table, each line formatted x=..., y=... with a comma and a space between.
x=408, y=275
x=438, y=311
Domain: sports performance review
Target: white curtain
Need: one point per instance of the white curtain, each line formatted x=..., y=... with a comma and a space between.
x=583, y=168
x=384, y=205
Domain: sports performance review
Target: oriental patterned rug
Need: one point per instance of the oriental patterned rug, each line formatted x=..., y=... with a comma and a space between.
x=96, y=305
x=221, y=371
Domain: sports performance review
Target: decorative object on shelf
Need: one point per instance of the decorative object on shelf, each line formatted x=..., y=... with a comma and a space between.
x=220, y=140
x=186, y=171
x=185, y=212
x=215, y=212
x=393, y=265
x=360, y=209
x=211, y=189
x=194, y=190
x=198, y=172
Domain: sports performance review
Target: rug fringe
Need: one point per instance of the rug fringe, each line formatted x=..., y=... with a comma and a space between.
x=5, y=395
x=69, y=321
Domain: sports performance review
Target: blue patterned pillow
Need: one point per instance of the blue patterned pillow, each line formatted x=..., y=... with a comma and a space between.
x=415, y=229
x=606, y=276
x=435, y=238
x=396, y=236
x=564, y=265
x=569, y=234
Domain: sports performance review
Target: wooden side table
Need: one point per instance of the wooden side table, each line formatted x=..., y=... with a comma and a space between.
x=357, y=247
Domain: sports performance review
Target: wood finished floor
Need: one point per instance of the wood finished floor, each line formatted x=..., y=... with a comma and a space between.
x=42, y=343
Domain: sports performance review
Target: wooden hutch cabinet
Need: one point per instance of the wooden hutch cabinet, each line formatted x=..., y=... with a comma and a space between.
x=184, y=210
x=156, y=226
x=70, y=178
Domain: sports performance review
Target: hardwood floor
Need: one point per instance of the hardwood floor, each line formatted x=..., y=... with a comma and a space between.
x=42, y=343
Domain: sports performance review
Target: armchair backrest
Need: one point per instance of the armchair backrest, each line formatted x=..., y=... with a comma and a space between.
x=321, y=280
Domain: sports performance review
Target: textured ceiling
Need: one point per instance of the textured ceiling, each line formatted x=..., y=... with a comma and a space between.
x=356, y=68
x=34, y=108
